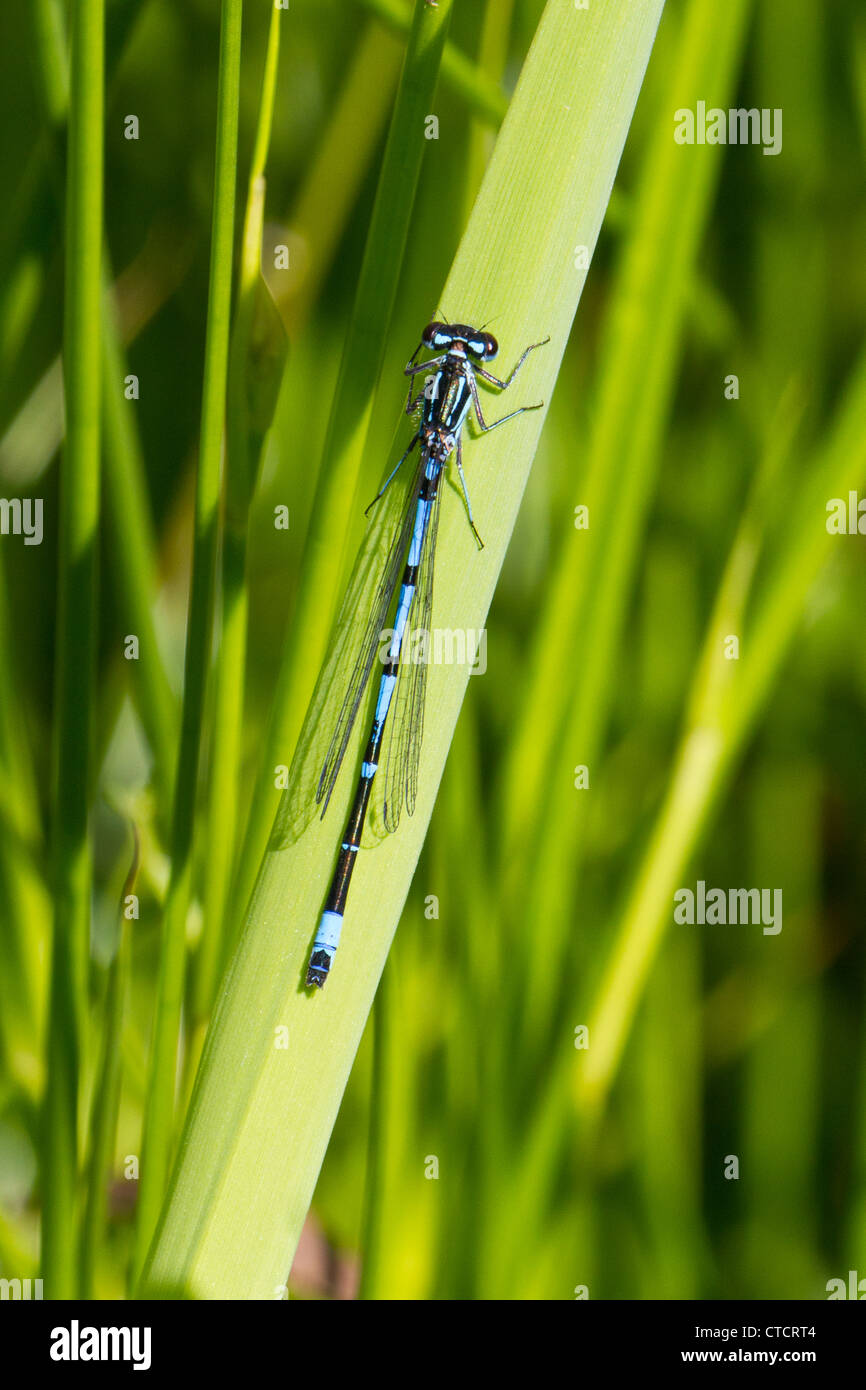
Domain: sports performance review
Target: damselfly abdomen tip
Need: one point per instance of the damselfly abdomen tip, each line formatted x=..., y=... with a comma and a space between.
x=317, y=970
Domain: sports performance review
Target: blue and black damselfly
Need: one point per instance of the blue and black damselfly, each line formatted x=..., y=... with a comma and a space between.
x=450, y=392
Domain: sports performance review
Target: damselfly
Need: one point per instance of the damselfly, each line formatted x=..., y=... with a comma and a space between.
x=451, y=391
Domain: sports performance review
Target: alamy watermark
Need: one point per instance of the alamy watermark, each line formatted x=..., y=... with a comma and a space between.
x=846, y=517
x=22, y=516
x=77, y=1343
x=441, y=646
x=736, y=907
x=852, y=1287
x=23, y=1290
x=739, y=126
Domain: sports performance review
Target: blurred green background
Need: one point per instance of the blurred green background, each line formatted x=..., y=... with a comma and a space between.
x=601, y=649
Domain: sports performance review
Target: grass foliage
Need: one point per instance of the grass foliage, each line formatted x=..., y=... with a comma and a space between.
x=547, y=1093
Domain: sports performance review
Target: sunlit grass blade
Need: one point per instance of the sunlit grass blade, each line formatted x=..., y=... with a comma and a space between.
x=106, y=1095
x=324, y=202
x=159, y=1131
x=483, y=97
x=134, y=563
x=25, y=904
x=49, y=29
x=75, y=645
x=256, y=1133
x=256, y=361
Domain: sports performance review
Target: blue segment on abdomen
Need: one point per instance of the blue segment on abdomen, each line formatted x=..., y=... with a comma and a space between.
x=420, y=527
x=328, y=935
x=407, y=593
x=383, y=703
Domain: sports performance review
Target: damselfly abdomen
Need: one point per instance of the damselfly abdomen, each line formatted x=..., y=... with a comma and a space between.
x=450, y=392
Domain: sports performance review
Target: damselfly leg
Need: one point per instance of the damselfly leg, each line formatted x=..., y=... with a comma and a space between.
x=504, y=385
x=466, y=493
x=394, y=471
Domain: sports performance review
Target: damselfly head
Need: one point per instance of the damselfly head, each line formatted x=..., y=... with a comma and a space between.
x=444, y=336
